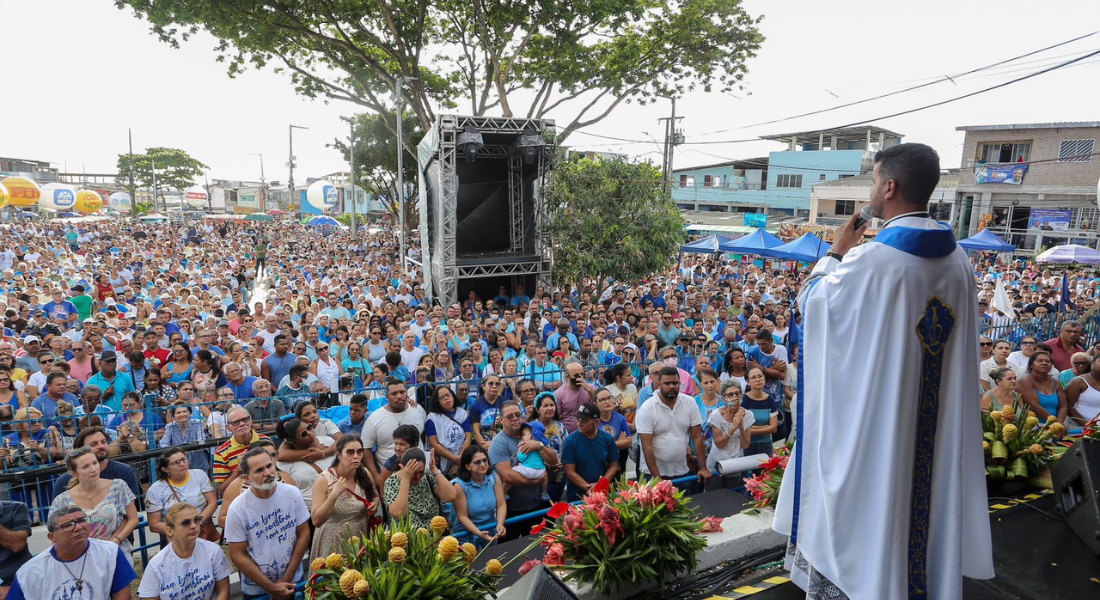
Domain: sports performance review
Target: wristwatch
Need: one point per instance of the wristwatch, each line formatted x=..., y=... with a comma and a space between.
x=832, y=254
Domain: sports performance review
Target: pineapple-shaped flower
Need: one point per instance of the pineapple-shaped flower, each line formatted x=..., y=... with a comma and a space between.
x=1008, y=414
x=334, y=561
x=1051, y=418
x=361, y=588
x=439, y=525
x=348, y=580
x=493, y=567
x=317, y=564
x=1009, y=432
x=354, y=540
x=397, y=555
x=1032, y=422
x=996, y=415
x=1035, y=449
x=469, y=552
x=1031, y=414
x=1057, y=429
x=399, y=540
x=985, y=445
x=448, y=548
x=422, y=531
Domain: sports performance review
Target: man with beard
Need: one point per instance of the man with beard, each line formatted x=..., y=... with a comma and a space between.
x=665, y=424
x=96, y=439
x=267, y=529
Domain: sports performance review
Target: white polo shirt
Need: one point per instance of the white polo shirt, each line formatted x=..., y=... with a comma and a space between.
x=670, y=428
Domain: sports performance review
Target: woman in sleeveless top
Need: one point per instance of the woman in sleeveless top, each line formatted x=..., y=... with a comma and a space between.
x=1083, y=394
x=1042, y=393
x=1003, y=392
x=179, y=369
x=345, y=501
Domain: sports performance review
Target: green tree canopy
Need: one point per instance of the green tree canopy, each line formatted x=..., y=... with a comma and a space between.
x=610, y=218
x=176, y=169
x=588, y=55
x=376, y=160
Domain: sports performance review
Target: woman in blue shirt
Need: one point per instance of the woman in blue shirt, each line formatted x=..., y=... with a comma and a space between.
x=479, y=499
x=763, y=409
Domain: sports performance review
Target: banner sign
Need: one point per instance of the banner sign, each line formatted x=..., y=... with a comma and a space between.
x=756, y=219
x=1045, y=219
x=1010, y=174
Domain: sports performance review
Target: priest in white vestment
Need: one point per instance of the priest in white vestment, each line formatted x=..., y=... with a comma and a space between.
x=884, y=496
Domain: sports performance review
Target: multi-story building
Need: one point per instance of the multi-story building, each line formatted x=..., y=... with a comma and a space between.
x=781, y=184
x=834, y=202
x=1032, y=183
x=39, y=171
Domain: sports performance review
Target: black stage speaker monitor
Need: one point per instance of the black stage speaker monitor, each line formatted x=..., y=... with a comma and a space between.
x=539, y=584
x=1076, y=480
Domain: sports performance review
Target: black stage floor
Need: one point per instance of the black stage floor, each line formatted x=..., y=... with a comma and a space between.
x=1035, y=556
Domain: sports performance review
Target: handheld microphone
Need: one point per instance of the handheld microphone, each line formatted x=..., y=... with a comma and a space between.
x=864, y=216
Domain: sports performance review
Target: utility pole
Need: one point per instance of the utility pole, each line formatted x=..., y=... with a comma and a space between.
x=673, y=138
x=133, y=195
x=155, y=187
x=290, y=164
x=354, y=194
x=209, y=201
x=263, y=182
x=400, y=166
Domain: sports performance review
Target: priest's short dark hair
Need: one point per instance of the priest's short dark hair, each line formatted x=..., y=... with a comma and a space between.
x=915, y=168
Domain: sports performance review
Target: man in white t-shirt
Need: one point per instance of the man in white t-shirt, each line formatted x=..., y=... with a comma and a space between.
x=75, y=566
x=267, y=529
x=665, y=424
x=410, y=352
x=380, y=425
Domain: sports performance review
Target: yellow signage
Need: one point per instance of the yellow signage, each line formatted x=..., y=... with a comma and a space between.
x=22, y=191
x=88, y=201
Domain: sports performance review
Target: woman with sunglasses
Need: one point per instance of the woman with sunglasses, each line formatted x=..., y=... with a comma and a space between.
x=315, y=452
x=328, y=371
x=178, y=481
x=479, y=499
x=9, y=395
x=170, y=574
x=730, y=426
x=344, y=498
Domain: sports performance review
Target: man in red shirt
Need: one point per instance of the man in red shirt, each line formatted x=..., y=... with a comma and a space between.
x=1065, y=345
x=157, y=356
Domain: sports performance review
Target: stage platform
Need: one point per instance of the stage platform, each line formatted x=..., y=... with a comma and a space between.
x=1036, y=557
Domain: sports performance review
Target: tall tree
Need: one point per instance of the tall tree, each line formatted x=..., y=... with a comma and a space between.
x=175, y=169
x=590, y=56
x=376, y=160
x=610, y=218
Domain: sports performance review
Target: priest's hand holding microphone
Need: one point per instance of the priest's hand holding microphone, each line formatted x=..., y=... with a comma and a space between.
x=850, y=233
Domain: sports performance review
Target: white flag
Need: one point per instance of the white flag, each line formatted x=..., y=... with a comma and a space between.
x=1002, y=302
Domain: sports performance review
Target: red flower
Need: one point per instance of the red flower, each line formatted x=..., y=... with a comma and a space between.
x=602, y=486
x=593, y=500
x=537, y=529
x=610, y=523
x=558, y=510
x=526, y=567
x=555, y=555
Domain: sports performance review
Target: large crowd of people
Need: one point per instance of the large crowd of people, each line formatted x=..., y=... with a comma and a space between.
x=287, y=370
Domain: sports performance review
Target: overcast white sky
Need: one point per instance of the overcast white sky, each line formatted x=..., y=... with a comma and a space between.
x=81, y=72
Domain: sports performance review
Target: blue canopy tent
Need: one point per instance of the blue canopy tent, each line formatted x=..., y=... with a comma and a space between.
x=708, y=245
x=808, y=248
x=323, y=221
x=986, y=241
x=759, y=242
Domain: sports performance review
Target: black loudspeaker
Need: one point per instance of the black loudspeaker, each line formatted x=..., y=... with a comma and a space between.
x=1076, y=478
x=539, y=584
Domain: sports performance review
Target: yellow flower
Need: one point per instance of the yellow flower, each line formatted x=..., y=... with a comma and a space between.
x=493, y=567
x=1009, y=432
x=439, y=525
x=399, y=540
x=1057, y=429
x=985, y=445
x=996, y=415
x=1032, y=422
x=1008, y=414
x=422, y=531
x=1036, y=449
x=397, y=555
x=1051, y=418
x=334, y=561
x=317, y=564
x=469, y=552
x=354, y=540
x=348, y=580
x=1031, y=414
x=448, y=547
x=361, y=588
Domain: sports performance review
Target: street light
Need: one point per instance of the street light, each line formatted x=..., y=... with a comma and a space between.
x=290, y=164
x=400, y=167
x=263, y=182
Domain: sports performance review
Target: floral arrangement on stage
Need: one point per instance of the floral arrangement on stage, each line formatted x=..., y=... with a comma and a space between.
x=403, y=564
x=764, y=486
x=621, y=535
x=1016, y=444
x=1092, y=429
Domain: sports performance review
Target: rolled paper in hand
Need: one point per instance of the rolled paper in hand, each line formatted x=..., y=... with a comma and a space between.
x=741, y=464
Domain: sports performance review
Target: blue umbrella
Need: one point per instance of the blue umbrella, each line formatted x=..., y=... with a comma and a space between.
x=808, y=248
x=323, y=221
x=28, y=215
x=68, y=215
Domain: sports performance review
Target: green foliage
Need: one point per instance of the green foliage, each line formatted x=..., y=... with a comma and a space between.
x=592, y=55
x=346, y=219
x=176, y=169
x=144, y=208
x=610, y=218
x=376, y=160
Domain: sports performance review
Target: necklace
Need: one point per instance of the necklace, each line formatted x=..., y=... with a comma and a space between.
x=83, y=562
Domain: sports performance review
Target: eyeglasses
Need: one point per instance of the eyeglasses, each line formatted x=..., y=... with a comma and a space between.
x=512, y=417
x=308, y=430
x=480, y=461
x=732, y=395
x=1028, y=343
x=178, y=463
x=354, y=451
x=197, y=520
x=492, y=383
x=604, y=399
x=241, y=421
x=69, y=526
x=984, y=344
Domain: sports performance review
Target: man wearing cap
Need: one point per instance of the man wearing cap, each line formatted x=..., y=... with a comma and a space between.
x=588, y=454
x=114, y=384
